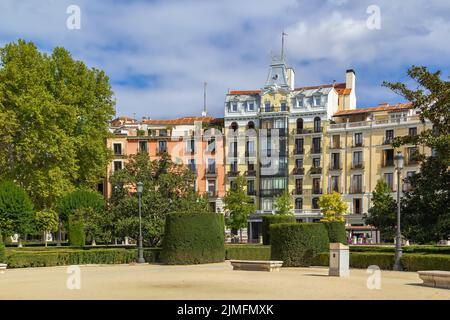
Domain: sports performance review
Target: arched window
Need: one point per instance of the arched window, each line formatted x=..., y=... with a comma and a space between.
x=250, y=125
x=299, y=125
x=234, y=126
x=317, y=125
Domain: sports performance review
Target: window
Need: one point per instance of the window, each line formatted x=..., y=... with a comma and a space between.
x=316, y=186
x=299, y=126
x=300, y=102
x=267, y=204
x=190, y=146
x=299, y=163
x=357, y=206
x=191, y=165
x=335, y=161
x=283, y=106
x=143, y=146
x=316, y=162
x=299, y=146
x=117, y=149
x=358, y=139
x=317, y=125
x=250, y=106
x=335, y=183
x=317, y=101
x=316, y=142
x=162, y=146
x=357, y=159
x=117, y=165
x=336, y=141
x=389, y=136
x=211, y=187
x=389, y=179
x=315, y=203
x=412, y=132
x=211, y=166
x=234, y=166
x=356, y=183
x=163, y=132
x=267, y=107
x=211, y=145
x=251, y=187
x=298, y=186
x=233, y=107
x=299, y=204
x=412, y=158
x=389, y=158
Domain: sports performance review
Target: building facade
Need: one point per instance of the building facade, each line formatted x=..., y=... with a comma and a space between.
x=193, y=141
x=313, y=140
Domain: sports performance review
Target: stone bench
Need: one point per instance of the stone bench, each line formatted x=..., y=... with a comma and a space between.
x=256, y=265
x=434, y=278
x=2, y=267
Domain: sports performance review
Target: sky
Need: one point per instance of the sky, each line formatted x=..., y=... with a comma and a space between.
x=158, y=54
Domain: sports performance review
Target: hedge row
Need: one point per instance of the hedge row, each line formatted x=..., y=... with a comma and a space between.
x=336, y=232
x=297, y=244
x=193, y=238
x=26, y=259
x=406, y=249
x=247, y=252
x=268, y=220
x=2, y=250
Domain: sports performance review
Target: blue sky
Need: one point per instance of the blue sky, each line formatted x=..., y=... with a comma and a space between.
x=159, y=53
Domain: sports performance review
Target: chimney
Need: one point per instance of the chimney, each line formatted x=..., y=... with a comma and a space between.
x=291, y=78
x=350, y=79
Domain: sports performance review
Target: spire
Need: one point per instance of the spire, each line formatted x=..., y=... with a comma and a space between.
x=283, y=34
x=205, y=112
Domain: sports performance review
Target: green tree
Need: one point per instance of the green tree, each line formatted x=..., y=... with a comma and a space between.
x=382, y=213
x=332, y=207
x=283, y=204
x=168, y=187
x=16, y=210
x=54, y=115
x=238, y=206
x=46, y=221
x=425, y=210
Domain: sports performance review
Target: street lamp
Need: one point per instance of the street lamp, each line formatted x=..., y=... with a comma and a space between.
x=140, y=188
x=398, y=241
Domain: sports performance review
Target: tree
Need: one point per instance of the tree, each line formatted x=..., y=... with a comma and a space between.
x=80, y=199
x=46, y=221
x=382, y=214
x=168, y=187
x=425, y=210
x=54, y=116
x=282, y=204
x=238, y=206
x=16, y=210
x=332, y=207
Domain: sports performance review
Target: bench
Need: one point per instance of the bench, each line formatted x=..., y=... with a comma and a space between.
x=2, y=267
x=256, y=265
x=434, y=278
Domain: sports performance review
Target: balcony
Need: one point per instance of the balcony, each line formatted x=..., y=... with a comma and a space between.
x=232, y=173
x=251, y=193
x=357, y=166
x=356, y=189
x=315, y=170
x=271, y=192
x=316, y=150
x=298, y=171
x=358, y=144
x=388, y=141
x=250, y=173
x=299, y=151
x=211, y=172
x=160, y=152
x=275, y=109
x=297, y=192
x=318, y=130
x=336, y=167
x=282, y=132
x=316, y=191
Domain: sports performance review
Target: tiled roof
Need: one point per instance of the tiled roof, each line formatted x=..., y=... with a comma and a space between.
x=179, y=121
x=336, y=86
x=237, y=92
x=379, y=108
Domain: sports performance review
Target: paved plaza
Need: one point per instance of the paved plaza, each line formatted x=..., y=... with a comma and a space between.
x=211, y=281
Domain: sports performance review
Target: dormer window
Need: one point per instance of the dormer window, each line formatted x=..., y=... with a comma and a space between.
x=250, y=106
x=300, y=102
x=267, y=107
x=283, y=106
x=233, y=107
x=316, y=101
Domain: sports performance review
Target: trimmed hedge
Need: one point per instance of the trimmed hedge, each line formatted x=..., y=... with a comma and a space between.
x=273, y=219
x=77, y=237
x=406, y=249
x=384, y=261
x=416, y=262
x=336, y=232
x=2, y=250
x=193, y=238
x=32, y=258
x=247, y=252
x=297, y=244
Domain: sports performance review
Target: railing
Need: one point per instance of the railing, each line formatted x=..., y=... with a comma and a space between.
x=232, y=173
x=271, y=192
x=356, y=189
x=388, y=141
x=251, y=193
x=358, y=144
x=298, y=171
x=335, y=146
x=297, y=192
x=299, y=151
x=337, y=126
x=309, y=212
x=316, y=150
x=315, y=170
x=275, y=109
x=161, y=151
x=336, y=167
x=250, y=173
x=359, y=165
x=211, y=171
x=317, y=191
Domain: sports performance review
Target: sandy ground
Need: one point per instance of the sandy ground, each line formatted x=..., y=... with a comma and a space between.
x=212, y=281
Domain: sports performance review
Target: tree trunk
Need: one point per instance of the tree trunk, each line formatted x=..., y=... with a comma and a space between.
x=45, y=238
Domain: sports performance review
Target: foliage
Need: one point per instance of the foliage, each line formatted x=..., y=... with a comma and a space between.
x=426, y=214
x=382, y=214
x=332, y=207
x=168, y=187
x=16, y=210
x=268, y=220
x=2, y=250
x=80, y=199
x=193, y=238
x=297, y=244
x=283, y=204
x=336, y=232
x=77, y=236
x=406, y=249
x=46, y=221
x=54, y=115
x=238, y=205
x=247, y=252
x=416, y=262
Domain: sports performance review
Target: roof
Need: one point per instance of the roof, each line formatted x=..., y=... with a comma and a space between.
x=339, y=87
x=379, y=108
x=180, y=121
x=248, y=92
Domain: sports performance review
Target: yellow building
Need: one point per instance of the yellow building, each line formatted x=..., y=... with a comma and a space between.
x=312, y=140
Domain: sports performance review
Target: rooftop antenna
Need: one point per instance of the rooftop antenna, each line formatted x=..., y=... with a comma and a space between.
x=283, y=34
x=204, y=113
